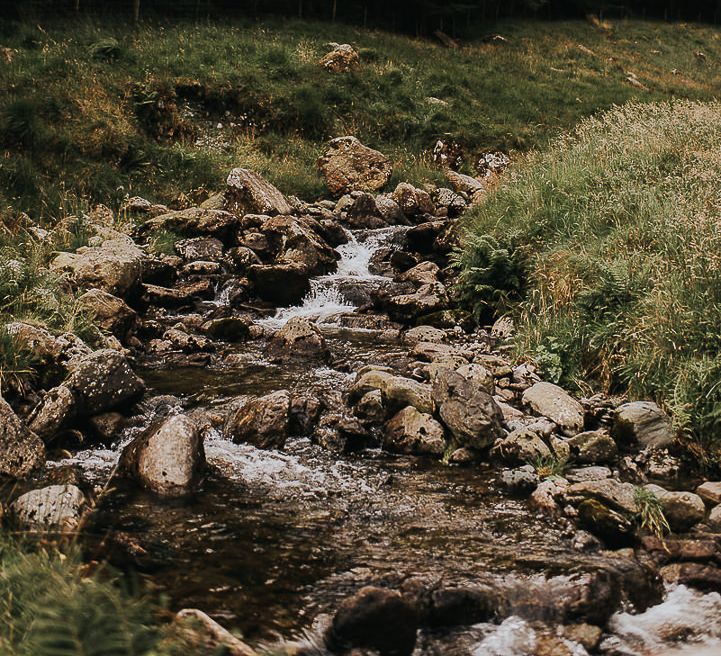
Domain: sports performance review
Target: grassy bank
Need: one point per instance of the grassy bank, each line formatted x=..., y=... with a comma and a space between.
x=96, y=111
x=607, y=245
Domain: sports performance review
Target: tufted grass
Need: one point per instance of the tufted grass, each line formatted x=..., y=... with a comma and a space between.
x=606, y=246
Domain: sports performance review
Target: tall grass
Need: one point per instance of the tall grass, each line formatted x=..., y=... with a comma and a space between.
x=607, y=245
x=100, y=110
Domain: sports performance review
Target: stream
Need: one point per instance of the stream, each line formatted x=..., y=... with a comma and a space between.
x=273, y=540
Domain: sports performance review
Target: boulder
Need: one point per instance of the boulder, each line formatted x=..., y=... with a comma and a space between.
x=52, y=508
x=412, y=201
x=46, y=349
x=414, y=433
x=592, y=448
x=644, y=423
x=349, y=165
x=710, y=492
x=610, y=525
x=183, y=296
x=714, y=519
x=281, y=284
x=203, y=635
x=377, y=619
x=364, y=214
x=551, y=401
x=168, y=458
x=341, y=59
x=370, y=407
x=99, y=382
x=425, y=273
x=249, y=193
x=299, y=338
x=21, y=451
x=409, y=308
x=424, y=334
x=205, y=249
x=682, y=510
x=228, y=329
x=116, y=266
x=467, y=410
x=110, y=313
x=396, y=391
x=422, y=238
x=260, y=421
x=521, y=447
x=195, y=222
x=464, y=183
x=610, y=492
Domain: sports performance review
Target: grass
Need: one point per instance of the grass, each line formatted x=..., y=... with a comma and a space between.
x=101, y=110
x=650, y=515
x=606, y=246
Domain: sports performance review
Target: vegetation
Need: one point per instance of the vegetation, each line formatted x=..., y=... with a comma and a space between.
x=650, y=515
x=100, y=110
x=606, y=246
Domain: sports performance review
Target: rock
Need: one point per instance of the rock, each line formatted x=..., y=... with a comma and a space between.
x=545, y=495
x=203, y=635
x=99, y=382
x=205, y=249
x=370, y=408
x=425, y=273
x=168, y=458
x=281, y=284
x=377, y=619
x=424, y=334
x=467, y=410
x=503, y=328
x=412, y=201
x=248, y=193
x=714, y=519
x=644, y=423
x=48, y=351
x=617, y=495
x=592, y=447
x=551, y=401
x=110, y=313
x=52, y=508
x=228, y=329
x=299, y=338
x=304, y=412
x=341, y=59
x=587, y=635
x=464, y=183
x=613, y=527
x=262, y=422
x=521, y=447
x=409, y=308
x=583, y=474
x=389, y=210
x=349, y=165
x=682, y=510
x=695, y=575
x=182, y=296
x=414, y=433
x=710, y=491
x=195, y=221
x=396, y=391
x=116, y=266
x=364, y=214
x=521, y=479
x=21, y=451
x=107, y=426
x=422, y=238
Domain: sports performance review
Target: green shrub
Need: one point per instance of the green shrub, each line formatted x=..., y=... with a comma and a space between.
x=610, y=238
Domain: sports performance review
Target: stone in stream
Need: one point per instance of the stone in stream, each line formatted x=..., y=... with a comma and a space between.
x=424, y=334
x=206, y=249
x=248, y=192
x=364, y=214
x=300, y=339
x=682, y=510
x=521, y=447
x=592, y=448
x=195, y=221
x=263, y=422
x=349, y=165
x=396, y=391
x=21, y=451
x=409, y=308
x=168, y=458
x=203, y=635
x=467, y=410
x=228, y=329
x=414, y=433
x=549, y=400
x=412, y=201
x=423, y=238
x=377, y=619
x=99, y=382
x=644, y=423
x=282, y=284
x=52, y=508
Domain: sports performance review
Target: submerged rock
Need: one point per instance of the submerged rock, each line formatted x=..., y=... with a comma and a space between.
x=52, y=508
x=21, y=451
x=262, y=421
x=377, y=619
x=168, y=458
x=349, y=165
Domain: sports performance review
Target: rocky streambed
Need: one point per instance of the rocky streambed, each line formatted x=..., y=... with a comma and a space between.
x=291, y=427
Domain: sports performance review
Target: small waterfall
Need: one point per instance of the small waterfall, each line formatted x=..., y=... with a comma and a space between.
x=326, y=301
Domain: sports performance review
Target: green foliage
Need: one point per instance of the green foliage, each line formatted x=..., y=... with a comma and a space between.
x=550, y=466
x=610, y=238
x=650, y=515
x=163, y=242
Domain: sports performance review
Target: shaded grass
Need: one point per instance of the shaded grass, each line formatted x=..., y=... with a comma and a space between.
x=102, y=110
x=607, y=247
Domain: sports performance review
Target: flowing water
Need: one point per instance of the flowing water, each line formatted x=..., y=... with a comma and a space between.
x=274, y=539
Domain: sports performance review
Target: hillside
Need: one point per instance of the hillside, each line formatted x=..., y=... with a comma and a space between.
x=97, y=111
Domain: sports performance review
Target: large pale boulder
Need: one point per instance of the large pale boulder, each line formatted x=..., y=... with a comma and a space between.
x=467, y=409
x=263, y=422
x=415, y=433
x=644, y=423
x=350, y=166
x=559, y=406
x=299, y=338
x=52, y=508
x=116, y=266
x=249, y=193
x=21, y=451
x=168, y=458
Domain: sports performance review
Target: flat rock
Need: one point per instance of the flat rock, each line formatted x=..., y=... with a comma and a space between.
x=558, y=405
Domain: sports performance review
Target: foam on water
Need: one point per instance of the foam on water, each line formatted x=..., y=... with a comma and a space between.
x=325, y=301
